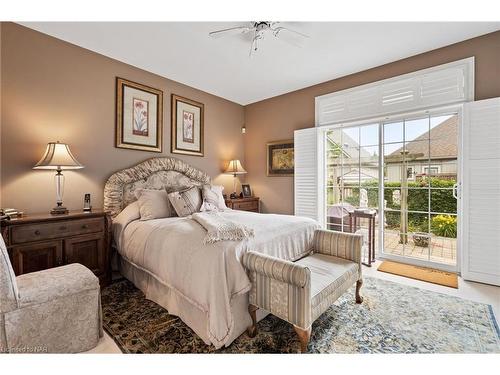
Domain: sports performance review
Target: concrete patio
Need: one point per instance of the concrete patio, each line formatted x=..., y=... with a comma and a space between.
x=442, y=249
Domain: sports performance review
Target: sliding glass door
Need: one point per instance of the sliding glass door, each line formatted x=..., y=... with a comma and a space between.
x=352, y=179
x=405, y=171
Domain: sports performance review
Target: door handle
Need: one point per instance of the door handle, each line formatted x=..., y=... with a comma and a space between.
x=455, y=191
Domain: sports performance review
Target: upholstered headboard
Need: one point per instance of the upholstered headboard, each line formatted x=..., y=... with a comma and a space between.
x=157, y=173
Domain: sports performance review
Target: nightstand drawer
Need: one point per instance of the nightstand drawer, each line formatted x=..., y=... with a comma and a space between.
x=246, y=206
x=47, y=231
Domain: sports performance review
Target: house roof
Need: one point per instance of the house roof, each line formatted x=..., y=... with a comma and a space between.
x=443, y=142
x=349, y=147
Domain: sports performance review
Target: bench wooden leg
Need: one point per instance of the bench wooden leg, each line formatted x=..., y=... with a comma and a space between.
x=252, y=330
x=359, y=299
x=304, y=336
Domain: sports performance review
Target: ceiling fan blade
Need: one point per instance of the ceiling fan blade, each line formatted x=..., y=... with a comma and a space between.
x=280, y=29
x=290, y=36
x=254, y=43
x=230, y=31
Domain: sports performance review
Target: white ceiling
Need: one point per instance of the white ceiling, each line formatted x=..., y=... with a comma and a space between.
x=184, y=52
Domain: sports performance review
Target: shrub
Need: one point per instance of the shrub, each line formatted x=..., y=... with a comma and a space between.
x=444, y=225
x=442, y=199
x=392, y=219
x=418, y=225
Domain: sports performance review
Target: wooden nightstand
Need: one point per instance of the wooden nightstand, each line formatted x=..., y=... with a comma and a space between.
x=244, y=204
x=38, y=242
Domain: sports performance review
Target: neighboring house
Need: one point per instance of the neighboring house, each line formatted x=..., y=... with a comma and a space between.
x=351, y=174
x=436, y=158
x=352, y=156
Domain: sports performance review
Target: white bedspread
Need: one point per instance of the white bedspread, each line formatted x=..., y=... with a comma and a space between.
x=209, y=276
x=219, y=228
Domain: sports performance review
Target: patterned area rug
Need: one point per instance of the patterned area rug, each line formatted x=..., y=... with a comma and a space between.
x=393, y=318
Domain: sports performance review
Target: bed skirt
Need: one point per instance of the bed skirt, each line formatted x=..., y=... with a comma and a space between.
x=192, y=315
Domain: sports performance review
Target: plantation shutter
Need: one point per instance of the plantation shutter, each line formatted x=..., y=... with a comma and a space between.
x=437, y=86
x=307, y=174
x=481, y=192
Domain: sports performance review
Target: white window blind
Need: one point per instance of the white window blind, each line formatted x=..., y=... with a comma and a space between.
x=307, y=174
x=481, y=192
x=437, y=86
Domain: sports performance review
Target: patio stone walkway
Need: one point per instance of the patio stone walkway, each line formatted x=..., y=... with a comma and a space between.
x=442, y=249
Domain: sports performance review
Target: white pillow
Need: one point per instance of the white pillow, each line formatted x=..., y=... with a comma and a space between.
x=153, y=204
x=186, y=202
x=124, y=218
x=212, y=198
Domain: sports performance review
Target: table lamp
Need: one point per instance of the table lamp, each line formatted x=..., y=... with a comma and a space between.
x=58, y=157
x=234, y=168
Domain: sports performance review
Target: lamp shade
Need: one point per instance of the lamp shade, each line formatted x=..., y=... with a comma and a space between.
x=58, y=156
x=235, y=167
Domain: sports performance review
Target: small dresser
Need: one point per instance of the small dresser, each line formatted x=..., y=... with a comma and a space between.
x=38, y=242
x=244, y=204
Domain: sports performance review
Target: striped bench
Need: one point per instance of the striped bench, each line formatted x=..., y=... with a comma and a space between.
x=299, y=292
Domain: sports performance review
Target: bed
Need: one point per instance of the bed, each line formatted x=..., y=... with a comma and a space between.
x=205, y=285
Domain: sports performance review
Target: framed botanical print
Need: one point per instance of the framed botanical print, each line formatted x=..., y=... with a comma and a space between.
x=280, y=158
x=187, y=126
x=139, y=116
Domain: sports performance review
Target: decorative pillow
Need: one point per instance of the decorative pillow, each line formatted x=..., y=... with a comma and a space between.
x=124, y=218
x=212, y=198
x=153, y=204
x=186, y=202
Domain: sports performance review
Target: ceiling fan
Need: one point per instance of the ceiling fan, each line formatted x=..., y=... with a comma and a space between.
x=260, y=29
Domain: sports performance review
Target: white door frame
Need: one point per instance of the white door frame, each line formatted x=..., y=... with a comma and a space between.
x=456, y=108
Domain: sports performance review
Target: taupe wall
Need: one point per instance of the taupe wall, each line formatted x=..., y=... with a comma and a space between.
x=277, y=118
x=53, y=90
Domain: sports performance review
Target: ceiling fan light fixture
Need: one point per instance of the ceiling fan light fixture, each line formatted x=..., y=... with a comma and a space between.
x=260, y=29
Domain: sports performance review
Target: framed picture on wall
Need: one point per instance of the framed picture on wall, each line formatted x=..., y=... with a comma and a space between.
x=187, y=126
x=139, y=116
x=280, y=158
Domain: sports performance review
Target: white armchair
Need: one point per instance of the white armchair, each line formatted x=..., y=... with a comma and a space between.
x=52, y=311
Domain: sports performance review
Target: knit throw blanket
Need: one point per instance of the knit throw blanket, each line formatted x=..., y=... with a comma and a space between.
x=220, y=229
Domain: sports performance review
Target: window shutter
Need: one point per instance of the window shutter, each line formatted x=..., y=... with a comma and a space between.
x=307, y=174
x=481, y=192
x=437, y=86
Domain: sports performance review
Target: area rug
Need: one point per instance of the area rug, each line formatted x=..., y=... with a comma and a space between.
x=427, y=274
x=393, y=318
